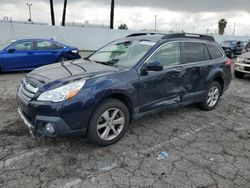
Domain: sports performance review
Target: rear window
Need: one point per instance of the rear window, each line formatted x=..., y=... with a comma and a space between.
x=214, y=51
x=194, y=52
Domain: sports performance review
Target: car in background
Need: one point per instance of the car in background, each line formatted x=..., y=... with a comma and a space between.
x=127, y=79
x=242, y=65
x=246, y=47
x=27, y=54
x=232, y=48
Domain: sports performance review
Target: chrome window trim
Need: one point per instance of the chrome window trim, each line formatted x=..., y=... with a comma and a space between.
x=181, y=41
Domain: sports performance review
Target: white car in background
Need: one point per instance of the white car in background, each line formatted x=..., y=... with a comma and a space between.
x=242, y=65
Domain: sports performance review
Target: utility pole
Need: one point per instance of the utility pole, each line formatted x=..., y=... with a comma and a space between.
x=52, y=12
x=64, y=12
x=234, y=29
x=155, y=21
x=112, y=14
x=29, y=5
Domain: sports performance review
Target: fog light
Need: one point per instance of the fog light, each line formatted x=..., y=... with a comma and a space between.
x=50, y=127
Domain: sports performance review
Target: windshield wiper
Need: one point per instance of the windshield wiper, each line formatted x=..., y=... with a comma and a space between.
x=109, y=63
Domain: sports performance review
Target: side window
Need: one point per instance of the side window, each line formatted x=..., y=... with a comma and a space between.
x=45, y=45
x=193, y=52
x=26, y=45
x=214, y=51
x=169, y=54
x=207, y=56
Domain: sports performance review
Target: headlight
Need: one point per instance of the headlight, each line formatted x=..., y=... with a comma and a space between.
x=238, y=59
x=62, y=93
x=75, y=51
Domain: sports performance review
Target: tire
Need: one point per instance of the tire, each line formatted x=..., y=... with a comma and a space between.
x=238, y=74
x=103, y=121
x=212, y=97
x=61, y=59
x=231, y=55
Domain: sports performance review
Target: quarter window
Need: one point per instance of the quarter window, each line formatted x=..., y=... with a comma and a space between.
x=214, y=51
x=169, y=54
x=193, y=52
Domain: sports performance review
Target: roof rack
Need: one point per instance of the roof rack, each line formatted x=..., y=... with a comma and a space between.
x=189, y=35
x=145, y=33
x=175, y=35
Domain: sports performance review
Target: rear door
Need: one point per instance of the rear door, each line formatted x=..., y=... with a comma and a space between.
x=20, y=58
x=46, y=52
x=158, y=89
x=195, y=66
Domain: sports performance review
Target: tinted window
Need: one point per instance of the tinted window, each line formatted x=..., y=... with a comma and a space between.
x=207, y=56
x=26, y=45
x=214, y=51
x=46, y=45
x=167, y=55
x=194, y=52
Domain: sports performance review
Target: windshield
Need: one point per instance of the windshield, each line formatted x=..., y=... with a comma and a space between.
x=4, y=45
x=229, y=43
x=126, y=53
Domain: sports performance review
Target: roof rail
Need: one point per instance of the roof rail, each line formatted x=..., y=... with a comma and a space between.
x=145, y=33
x=189, y=35
x=175, y=35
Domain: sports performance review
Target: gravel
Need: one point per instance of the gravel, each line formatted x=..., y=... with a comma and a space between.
x=205, y=149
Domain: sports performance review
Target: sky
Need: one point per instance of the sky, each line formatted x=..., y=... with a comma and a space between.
x=199, y=16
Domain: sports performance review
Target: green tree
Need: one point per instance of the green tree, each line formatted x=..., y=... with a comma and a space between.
x=123, y=27
x=222, y=25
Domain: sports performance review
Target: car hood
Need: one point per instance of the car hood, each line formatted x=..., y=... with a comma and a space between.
x=68, y=70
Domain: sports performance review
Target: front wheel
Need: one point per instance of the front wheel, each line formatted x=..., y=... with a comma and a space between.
x=108, y=122
x=61, y=59
x=212, y=97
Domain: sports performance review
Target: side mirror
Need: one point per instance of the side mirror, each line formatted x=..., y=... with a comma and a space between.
x=154, y=66
x=11, y=50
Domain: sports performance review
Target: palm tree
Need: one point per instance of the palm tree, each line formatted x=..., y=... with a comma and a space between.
x=123, y=27
x=64, y=12
x=52, y=12
x=222, y=25
x=112, y=14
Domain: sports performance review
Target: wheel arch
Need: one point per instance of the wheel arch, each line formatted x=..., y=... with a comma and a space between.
x=220, y=81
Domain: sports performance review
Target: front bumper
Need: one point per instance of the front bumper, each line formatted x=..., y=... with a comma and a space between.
x=36, y=116
x=242, y=67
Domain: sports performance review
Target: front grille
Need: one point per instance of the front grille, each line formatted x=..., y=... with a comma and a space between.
x=26, y=91
x=247, y=68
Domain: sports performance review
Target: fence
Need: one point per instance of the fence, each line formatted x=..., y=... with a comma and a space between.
x=83, y=38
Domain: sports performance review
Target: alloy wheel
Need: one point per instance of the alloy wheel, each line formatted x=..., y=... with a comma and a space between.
x=213, y=96
x=110, y=124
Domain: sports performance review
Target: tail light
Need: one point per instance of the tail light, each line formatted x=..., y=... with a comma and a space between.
x=229, y=62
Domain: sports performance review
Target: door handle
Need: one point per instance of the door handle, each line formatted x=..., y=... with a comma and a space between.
x=209, y=67
x=177, y=73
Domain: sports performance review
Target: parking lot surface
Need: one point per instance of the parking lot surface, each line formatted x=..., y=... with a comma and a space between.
x=205, y=149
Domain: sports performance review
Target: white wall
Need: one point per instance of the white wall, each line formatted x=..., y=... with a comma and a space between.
x=80, y=37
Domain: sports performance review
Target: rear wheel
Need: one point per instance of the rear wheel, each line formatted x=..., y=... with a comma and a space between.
x=238, y=74
x=108, y=122
x=212, y=97
x=231, y=55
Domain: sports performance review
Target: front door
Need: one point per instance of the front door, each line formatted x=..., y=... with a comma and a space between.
x=21, y=56
x=158, y=89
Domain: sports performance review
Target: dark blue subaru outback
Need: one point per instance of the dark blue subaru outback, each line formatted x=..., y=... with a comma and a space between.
x=126, y=79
